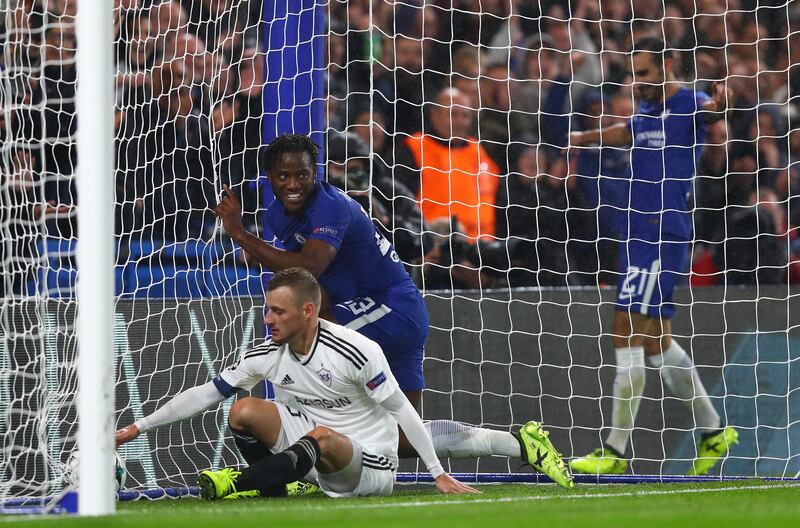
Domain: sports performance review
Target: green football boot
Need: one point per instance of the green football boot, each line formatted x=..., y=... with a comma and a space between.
x=222, y=485
x=247, y=494
x=299, y=487
x=601, y=461
x=538, y=451
x=712, y=449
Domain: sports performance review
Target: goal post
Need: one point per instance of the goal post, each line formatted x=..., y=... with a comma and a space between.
x=95, y=256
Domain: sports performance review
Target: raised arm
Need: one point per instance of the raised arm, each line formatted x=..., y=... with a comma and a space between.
x=714, y=109
x=618, y=135
x=315, y=256
x=403, y=412
x=184, y=405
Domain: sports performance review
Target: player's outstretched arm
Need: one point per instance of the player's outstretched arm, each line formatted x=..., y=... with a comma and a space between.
x=617, y=135
x=184, y=405
x=315, y=256
x=401, y=410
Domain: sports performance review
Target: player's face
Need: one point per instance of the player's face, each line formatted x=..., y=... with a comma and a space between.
x=648, y=77
x=284, y=316
x=292, y=181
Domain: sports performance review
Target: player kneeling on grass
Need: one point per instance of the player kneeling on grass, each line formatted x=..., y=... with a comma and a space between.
x=336, y=421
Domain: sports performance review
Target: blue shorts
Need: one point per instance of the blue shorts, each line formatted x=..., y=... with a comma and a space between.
x=648, y=274
x=398, y=321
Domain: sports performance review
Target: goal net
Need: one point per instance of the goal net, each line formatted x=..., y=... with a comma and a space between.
x=464, y=110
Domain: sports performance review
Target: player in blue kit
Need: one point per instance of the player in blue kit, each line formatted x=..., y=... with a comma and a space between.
x=367, y=289
x=667, y=134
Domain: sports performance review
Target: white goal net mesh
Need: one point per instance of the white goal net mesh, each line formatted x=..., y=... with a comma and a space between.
x=455, y=116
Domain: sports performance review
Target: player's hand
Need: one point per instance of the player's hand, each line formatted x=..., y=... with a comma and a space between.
x=229, y=210
x=126, y=434
x=447, y=484
x=721, y=95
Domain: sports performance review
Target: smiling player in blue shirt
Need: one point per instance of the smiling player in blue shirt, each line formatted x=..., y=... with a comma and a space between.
x=367, y=289
x=667, y=135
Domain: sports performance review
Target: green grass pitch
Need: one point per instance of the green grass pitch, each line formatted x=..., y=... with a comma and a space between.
x=499, y=506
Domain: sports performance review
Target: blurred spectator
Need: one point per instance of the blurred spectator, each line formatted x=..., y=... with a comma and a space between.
x=756, y=245
x=26, y=213
x=599, y=208
x=382, y=142
x=742, y=179
x=366, y=122
x=169, y=19
x=537, y=62
x=789, y=182
x=390, y=203
x=136, y=60
x=499, y=126
x=677, y=31
x=544, y=90
x=465, y=76
x=165, y=164
x=214, y=20
x=574, y=38
x=239, y=143
x=58, y=86
x=533, y=204
x=770, y=144
x=448, y=171
x=471, y=22
x=452, y=262
x=63, y=11
x=349, y=50
x=403, y=86
x=709, y=187
x=742, y=79
x=191, y=53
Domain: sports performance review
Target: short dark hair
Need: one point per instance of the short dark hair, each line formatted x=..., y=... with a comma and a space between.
x=271, y=154
x=656, y=46
x=302, y=283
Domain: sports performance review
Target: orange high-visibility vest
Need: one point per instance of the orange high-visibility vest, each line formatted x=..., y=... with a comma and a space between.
x=456, y=181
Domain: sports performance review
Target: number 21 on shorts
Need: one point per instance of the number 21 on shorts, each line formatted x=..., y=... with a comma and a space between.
x=637, y=280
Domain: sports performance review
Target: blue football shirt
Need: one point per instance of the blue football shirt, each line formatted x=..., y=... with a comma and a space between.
x=605, y=183
x=365, y=263
x=667, y=143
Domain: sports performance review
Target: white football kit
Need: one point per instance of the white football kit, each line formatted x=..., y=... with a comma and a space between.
x=344, y=383
x=339, y=384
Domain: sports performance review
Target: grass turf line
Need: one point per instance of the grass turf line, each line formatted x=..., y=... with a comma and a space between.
x=635, y=506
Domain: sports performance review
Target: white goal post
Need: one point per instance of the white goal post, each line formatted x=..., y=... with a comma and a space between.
x=95, y=256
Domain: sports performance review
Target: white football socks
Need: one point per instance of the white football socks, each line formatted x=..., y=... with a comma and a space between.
x=628, y=388
x=680, y=376
x=456, y=440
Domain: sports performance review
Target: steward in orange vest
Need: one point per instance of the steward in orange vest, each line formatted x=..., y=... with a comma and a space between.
x=457, y=178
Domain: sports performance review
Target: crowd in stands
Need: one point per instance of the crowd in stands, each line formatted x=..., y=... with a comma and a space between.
x=466, y=113
x=189, y=77
x=520, y=76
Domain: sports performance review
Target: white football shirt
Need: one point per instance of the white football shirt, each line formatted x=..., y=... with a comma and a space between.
x=339, y=384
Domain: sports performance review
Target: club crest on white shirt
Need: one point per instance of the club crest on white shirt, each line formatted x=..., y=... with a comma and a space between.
x=325, y=376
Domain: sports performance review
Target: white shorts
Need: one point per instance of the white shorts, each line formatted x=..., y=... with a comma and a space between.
x=367, y=473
